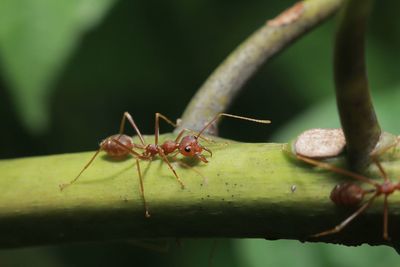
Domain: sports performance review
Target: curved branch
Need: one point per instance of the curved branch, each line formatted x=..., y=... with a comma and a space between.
x=219, y=90
x=357, y=115
x=252, y=190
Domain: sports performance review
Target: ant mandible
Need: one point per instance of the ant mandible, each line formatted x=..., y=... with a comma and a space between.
x=351, y=194
x=121, y=145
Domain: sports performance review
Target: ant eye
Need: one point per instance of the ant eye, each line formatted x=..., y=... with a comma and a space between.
x=187, y=149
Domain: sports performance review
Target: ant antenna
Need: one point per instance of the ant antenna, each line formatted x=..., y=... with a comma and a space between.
x=231, y=116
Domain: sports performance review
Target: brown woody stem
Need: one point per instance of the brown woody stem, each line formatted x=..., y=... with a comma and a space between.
x=220, y=89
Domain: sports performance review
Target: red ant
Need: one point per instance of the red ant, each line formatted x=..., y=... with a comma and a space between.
x=121, y=145
x=351, y=194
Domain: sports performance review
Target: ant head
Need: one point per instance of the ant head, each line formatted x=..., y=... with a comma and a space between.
x=189, y=146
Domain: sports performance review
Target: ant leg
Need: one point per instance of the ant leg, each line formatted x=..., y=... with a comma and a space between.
x=63, y=186
x=381, y=170
x=133, y=124
x=137, y=157
x=375, y=158
x=343, y=224
x=376, y=152
x=130, y=150
x=385, y=218
x=187, y=166
x=206, y=149
x=138, y=146
x=335, y=169
x=146, y=208
x=157, y=125
x=231, y=116
x=161, y=152
x=201, y=157
x=159, y=115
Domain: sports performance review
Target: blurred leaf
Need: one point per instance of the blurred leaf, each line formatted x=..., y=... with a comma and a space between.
x=309, y=62
x=324, y=115
x=258, y=252
x=254, y=253
x=321, y=115
x=36, y=39
x=42, y=256
x=362, y=256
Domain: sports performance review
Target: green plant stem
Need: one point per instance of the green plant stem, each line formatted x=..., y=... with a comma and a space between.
x=357, y=115
x=252, y=190
x=219, y=90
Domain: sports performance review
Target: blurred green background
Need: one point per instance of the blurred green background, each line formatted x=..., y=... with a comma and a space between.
x=69, y=69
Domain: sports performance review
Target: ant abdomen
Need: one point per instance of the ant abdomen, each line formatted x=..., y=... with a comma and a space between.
x=347, y=194
x=114, y=149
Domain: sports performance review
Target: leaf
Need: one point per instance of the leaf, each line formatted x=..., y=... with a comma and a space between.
x=321, y=115
x=324, y=115
x=254, y=253
x=36, y=39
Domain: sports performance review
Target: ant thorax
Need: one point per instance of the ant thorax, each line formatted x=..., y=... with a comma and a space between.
x=169, y=146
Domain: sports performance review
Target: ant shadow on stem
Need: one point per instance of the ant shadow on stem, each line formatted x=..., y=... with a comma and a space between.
x=114, y=175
